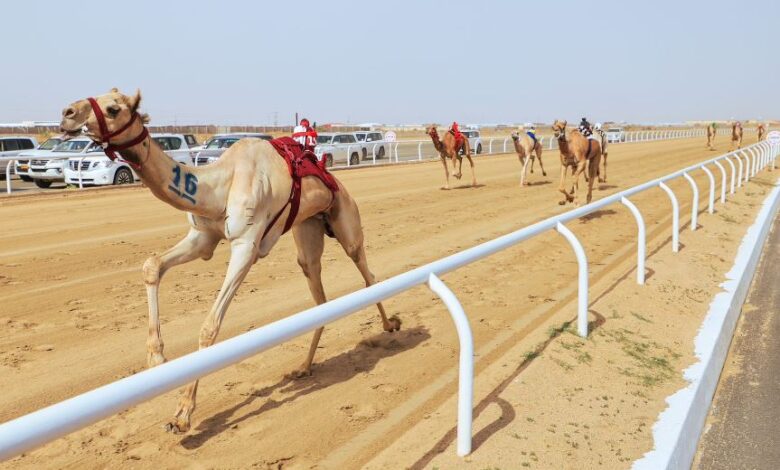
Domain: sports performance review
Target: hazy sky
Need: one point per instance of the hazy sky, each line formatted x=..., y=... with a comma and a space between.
x=232, y=62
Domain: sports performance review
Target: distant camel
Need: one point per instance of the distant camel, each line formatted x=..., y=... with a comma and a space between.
x=528, y=148
x=578, y=153
x=449, y=148
x=761, y=131
x=736, y=135
x=711, y=131
x=604, y=142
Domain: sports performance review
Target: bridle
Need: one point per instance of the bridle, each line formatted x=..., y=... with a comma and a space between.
x=105, y=136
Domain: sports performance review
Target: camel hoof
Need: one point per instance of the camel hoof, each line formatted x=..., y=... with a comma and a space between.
x=445, y=188
x=177, y=427
x=544, y=173
x=457, y=176
x=154, y=359
x=301, y=373
x=393, y=324
x=561, y=203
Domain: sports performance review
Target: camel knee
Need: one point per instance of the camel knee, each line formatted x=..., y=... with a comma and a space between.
x=309, y=267
x=151, y=270
x=353, y=251
x=208, y=334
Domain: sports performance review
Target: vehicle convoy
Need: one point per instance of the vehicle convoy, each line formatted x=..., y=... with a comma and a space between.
x=22, y=166
x=93, y=167
x=616, y=134
x=371, y=142
x=216, y=146
x=12, y=146
x=338, y=147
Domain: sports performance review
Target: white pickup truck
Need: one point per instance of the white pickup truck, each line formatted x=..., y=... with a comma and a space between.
x=615, y=134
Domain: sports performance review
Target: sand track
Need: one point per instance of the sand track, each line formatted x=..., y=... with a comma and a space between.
x=74, y=310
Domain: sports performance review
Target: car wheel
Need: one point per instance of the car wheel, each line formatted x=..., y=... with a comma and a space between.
x=354, y=159
x=25, y=178
x=479, y=149
x=328, y=160
x=42, y=183
x=123, y=176
x=381, y=153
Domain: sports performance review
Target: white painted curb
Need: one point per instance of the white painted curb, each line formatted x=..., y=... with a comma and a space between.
x=678, y=429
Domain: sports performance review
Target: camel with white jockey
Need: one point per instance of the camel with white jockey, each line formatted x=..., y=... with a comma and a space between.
x=528, y=148
x=578, y=153
x=251, y=196
x=448, y=147
x=736, y=135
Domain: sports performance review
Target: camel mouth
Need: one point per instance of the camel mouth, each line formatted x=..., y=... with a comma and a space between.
x=76, y=131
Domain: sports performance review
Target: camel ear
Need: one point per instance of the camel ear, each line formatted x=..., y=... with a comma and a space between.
x=145, y=118
x=135, y=101
x=114, y=90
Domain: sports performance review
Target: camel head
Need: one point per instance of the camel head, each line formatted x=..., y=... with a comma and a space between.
x=559, y=129
x=118, y=111
x=431, y=130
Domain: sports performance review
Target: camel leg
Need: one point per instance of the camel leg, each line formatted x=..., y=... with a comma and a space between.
x=473, y=175
x=460, y=166
x=539, y=157
x=604, y=156
x=524, y=160
x=242, y=256
x=594, y=169
x=309, y=238
x=562, y=186
x=349, y=233
x=195, y=245
x=580, y=170
x=446, y=171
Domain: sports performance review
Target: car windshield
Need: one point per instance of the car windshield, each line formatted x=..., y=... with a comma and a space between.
x=221, y=143
x=71, y=146
x=324, y=139
x=49, y=144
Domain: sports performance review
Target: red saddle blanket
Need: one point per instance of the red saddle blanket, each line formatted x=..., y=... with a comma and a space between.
x=459, y=140
x=301, y=163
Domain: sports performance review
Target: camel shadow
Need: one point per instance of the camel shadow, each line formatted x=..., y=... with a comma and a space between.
x=603, y=187
x=597, y=215
x=334, y=370
x=538, y=183
x=468, y=186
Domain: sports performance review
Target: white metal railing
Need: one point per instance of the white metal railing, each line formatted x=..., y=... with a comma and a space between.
x=39, y=427
x=416, y=150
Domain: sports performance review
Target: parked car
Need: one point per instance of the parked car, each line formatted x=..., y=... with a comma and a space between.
x=615, y=134
x=180, y=147
x=45, y=171
x=22, y=167
x=216, y=146
x=334, y=147
x=369, y=140
x=12, y=146
x=475, y=141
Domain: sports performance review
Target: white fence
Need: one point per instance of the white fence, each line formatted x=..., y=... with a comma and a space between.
x=349, y=155
x=37, y=428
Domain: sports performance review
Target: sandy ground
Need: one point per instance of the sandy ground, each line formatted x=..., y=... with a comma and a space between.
x=74, y=311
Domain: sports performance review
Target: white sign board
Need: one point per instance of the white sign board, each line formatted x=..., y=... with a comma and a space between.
x=390, y=136
x=773, y=137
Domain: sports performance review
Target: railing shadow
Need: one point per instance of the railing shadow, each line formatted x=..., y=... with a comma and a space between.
x=334, y=370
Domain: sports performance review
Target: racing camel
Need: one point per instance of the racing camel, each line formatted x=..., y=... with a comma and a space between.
x=736, y=135
x=528, y=148
x=761, y=129
x=711, y=131
x=449, y=148
x=250, y=197
x=604, y=142
x=578, y=153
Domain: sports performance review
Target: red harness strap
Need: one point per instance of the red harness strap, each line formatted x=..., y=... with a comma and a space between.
x=105, y=136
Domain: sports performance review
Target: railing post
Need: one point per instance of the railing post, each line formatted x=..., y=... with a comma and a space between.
x=675, y=217
x=695, y=205
x=466, y=363
x=506, y=139
x=349, y=157
x=753, y=161
x=490, y=146
x=711, y=206
x=81, y=182
x=582, y=289
x=746, y=174
x=722, y=181
x=419, y=151
x=373, y=153
x=733, y=172
x=8, y=176
x=640, y=240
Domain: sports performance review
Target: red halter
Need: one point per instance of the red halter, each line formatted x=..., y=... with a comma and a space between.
x=105, y=136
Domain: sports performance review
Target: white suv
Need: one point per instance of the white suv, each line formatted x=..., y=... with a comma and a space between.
x=334, y=147
x=217, y=145
x=22, y=167
x=180, y=147
x=616, y=134
x=371, y=141
x=45, y=171
x=475, y=141
x=11, y=146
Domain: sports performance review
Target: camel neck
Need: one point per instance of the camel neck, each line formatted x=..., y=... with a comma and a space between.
x=436, y=140
x=181, y=186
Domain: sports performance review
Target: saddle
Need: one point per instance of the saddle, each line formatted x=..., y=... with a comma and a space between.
x=300, y=163
x=459, y=139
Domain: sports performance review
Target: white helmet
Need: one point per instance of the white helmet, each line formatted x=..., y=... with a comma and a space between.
x=597, y=126
x=529, y=125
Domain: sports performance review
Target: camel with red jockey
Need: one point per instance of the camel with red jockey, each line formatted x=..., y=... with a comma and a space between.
x=578, y=153
x=252, y=195
x=449, y=148
x=528, y=148
x=736, y=135
x=761, y=129
x=711, y=131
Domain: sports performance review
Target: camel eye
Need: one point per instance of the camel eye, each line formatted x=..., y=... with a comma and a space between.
x=113, y=110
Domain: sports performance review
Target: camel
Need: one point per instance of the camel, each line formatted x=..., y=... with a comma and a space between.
x=577, y=153
x=736, y=135
x=240, y=198
x=527, y=148
x=711, y=131
x=447, y=149
x=761, y=131
x=603, y=140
